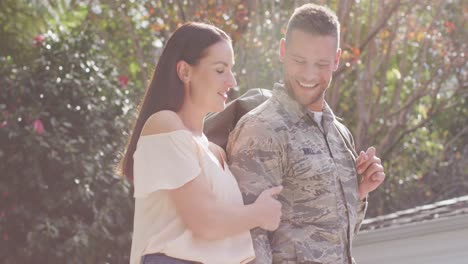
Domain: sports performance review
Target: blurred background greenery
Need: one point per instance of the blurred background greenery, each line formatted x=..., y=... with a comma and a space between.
x=72, y=73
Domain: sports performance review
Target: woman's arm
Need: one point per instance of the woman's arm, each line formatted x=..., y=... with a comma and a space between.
x=212, y=219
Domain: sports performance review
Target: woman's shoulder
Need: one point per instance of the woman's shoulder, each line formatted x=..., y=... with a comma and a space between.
x=165, y=121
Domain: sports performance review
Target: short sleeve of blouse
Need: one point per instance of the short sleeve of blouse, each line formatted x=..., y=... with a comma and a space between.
x=165, y=161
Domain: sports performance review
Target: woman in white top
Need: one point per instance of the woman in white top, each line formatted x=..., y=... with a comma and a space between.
x=188, y=207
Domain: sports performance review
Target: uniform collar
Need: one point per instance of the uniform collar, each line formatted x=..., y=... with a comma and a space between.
x=297, y=111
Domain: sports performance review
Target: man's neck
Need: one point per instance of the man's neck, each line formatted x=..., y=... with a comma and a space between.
x=316, y=107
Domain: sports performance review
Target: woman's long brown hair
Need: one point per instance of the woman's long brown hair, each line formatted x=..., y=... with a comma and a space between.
x=166, y=91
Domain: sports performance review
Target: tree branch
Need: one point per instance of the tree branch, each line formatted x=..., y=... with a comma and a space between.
x=373, y=33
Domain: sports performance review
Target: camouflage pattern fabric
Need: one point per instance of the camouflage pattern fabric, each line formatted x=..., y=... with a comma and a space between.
x=279, y=143
x=218, y=125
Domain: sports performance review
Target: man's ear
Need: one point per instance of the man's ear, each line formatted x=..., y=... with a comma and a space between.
x=337, y=59
x=282, y=49
x=183, y=71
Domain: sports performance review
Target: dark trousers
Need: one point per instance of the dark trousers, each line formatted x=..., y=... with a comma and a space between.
x=159, y=258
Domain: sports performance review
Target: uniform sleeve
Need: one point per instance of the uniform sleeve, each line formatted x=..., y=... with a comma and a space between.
x=164, y=162
x=362, y=205
x=255, y=160
x=361, y=214
x=349, y=141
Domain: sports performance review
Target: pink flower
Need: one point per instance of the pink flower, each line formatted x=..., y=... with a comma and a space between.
x=38, y=40
x=5, y=236
x=4, y=123
x=38, y=127
x=450, y=26
x=123, y=80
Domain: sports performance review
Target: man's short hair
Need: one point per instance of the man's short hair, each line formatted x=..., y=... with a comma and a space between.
x=314, y=19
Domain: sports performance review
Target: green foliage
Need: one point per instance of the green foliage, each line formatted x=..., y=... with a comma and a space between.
x=393, y=87
x=63, y=117
x=17, y=29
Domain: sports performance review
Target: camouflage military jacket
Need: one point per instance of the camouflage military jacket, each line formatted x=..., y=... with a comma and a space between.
x=279, y=143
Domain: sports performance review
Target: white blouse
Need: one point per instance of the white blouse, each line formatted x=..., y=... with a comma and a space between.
x=167, y=161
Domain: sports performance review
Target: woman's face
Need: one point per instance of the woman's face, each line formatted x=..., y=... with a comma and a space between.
x=210, y=79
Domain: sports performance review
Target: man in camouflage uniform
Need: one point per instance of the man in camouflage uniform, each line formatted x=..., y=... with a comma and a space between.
x=295, y=140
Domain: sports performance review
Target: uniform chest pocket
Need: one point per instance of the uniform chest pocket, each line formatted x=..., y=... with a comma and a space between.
x=308, y=162
x=313, y=181
x=313, y=176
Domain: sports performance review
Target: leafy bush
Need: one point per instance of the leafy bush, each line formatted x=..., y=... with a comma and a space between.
x=62, y=122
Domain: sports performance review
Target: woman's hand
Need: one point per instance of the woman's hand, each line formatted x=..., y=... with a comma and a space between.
x=268, y=209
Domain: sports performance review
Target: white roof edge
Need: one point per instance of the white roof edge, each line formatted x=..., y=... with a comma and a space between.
x=413, y=210
x=412, y=230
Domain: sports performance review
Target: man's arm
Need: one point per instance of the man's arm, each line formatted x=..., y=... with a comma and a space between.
x=361, y=214
x=362, y=201
x=255, y=160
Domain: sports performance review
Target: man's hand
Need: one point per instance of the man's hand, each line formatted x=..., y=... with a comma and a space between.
x=370, y=168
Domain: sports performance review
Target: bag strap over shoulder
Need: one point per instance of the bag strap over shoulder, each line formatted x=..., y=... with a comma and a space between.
x=218, y=125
